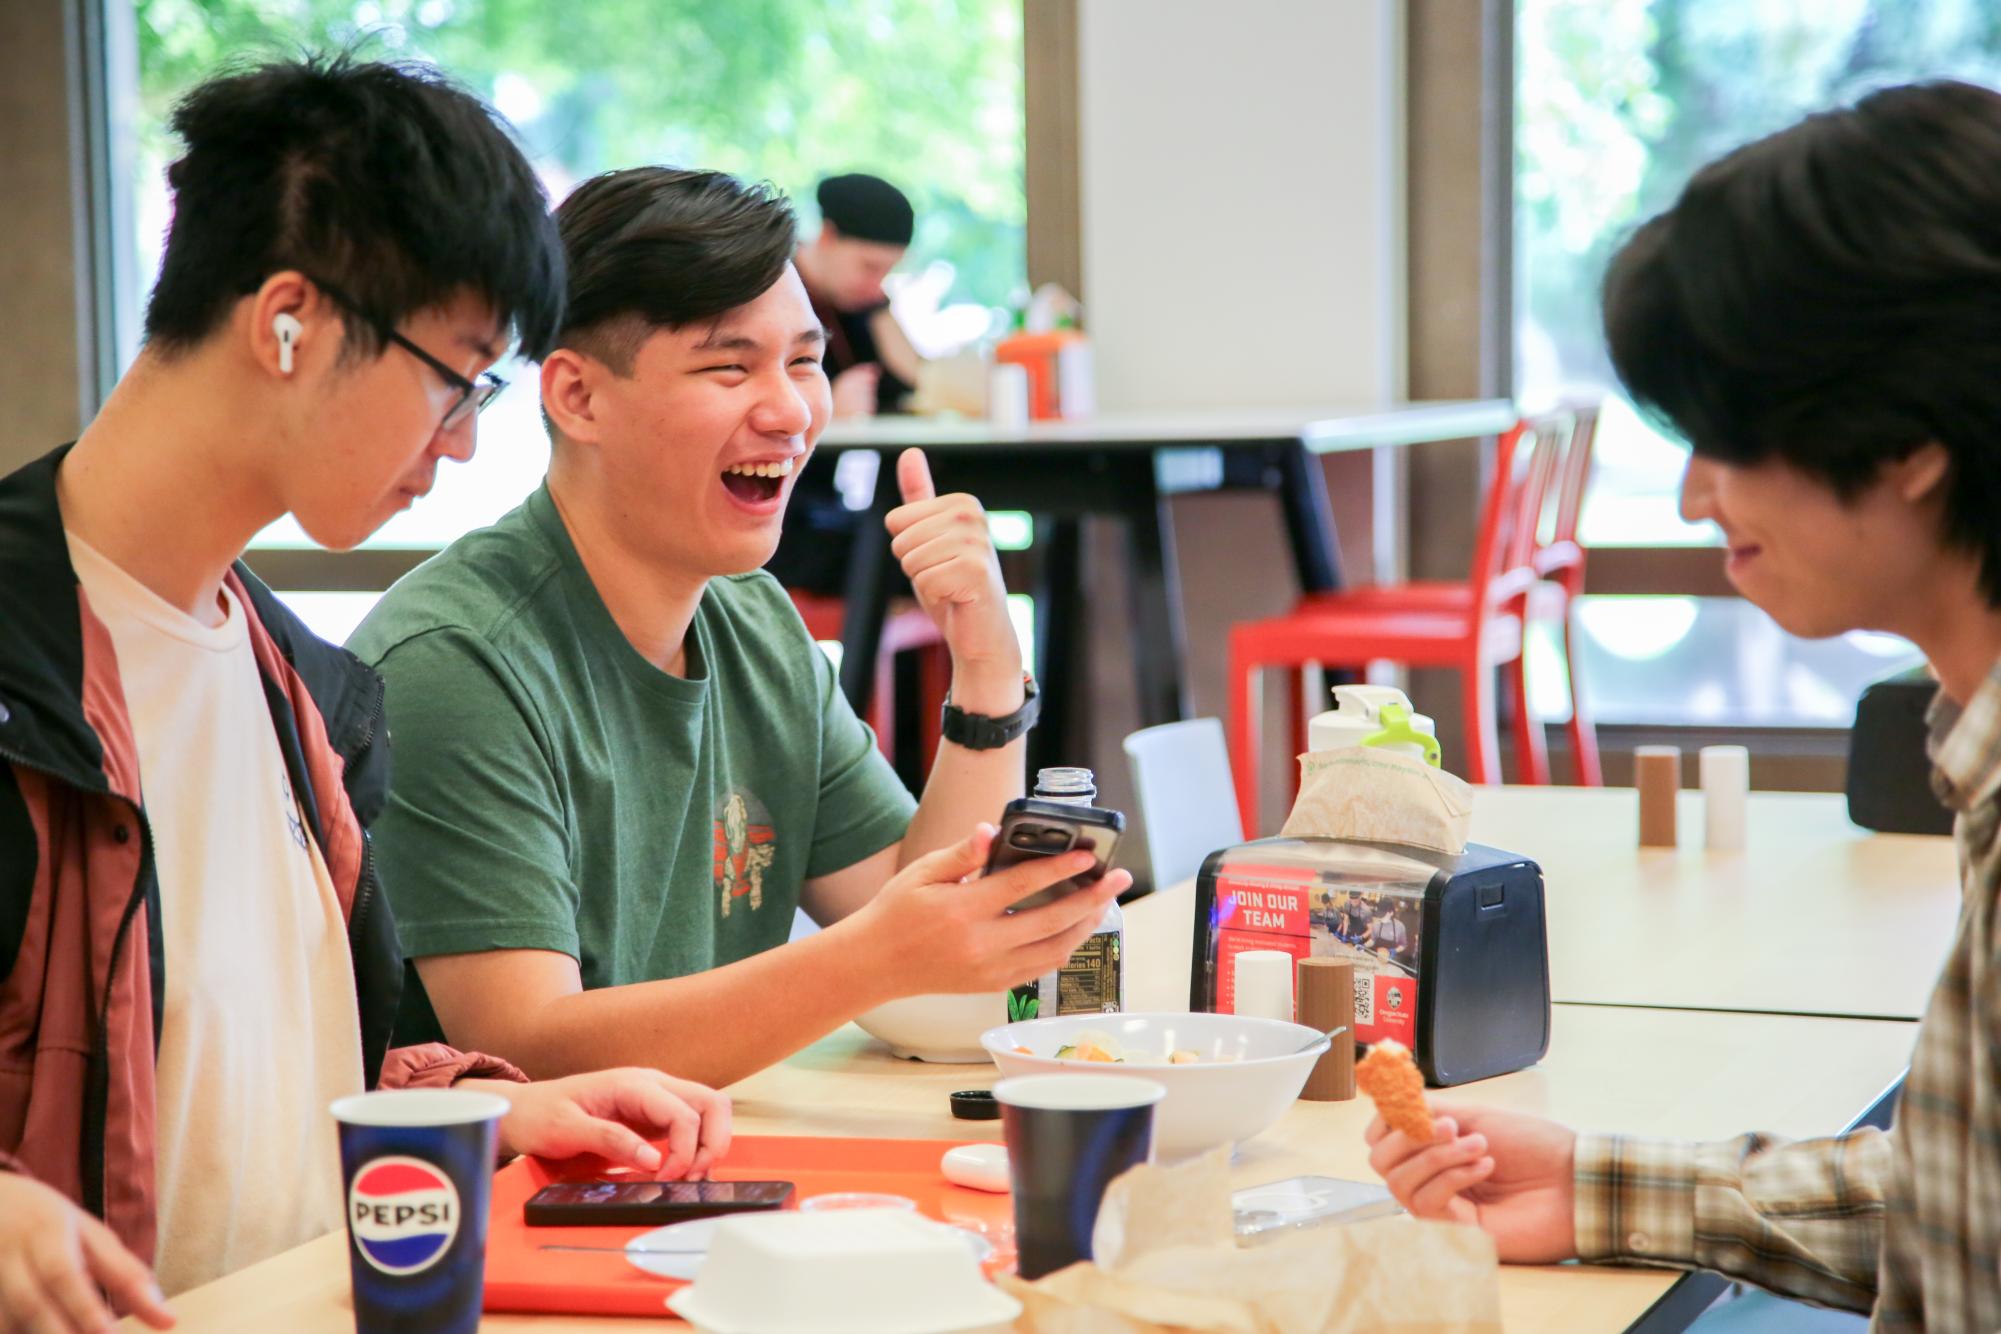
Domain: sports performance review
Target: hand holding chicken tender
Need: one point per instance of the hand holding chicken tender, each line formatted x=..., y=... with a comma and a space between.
x=1390, y=1077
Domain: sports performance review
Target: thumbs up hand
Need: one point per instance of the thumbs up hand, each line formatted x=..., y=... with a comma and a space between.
x=948, y=553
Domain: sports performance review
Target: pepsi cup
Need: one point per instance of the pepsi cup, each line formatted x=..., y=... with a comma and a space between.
x=1069, y=1137
x=418, y=1164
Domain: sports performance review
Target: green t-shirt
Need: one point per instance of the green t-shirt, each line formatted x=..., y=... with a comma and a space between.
x=551, y=789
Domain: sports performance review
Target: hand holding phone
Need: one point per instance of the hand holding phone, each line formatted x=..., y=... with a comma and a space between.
x=1032, y=828
x=648, y=1203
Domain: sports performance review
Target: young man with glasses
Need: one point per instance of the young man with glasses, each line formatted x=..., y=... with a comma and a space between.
x=625, y=762
x=196, y=956
x=1817, y=317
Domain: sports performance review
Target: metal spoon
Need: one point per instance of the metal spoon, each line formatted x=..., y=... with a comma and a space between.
x=1326, y=1038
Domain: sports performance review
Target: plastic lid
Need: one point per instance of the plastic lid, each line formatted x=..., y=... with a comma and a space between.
x=975, y=1105
x=1065, y=782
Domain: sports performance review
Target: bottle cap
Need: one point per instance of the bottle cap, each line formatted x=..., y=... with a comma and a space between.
x=1075, y=786
x=975, y=1105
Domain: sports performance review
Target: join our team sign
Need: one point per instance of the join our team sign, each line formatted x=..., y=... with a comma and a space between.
x=403, y=1214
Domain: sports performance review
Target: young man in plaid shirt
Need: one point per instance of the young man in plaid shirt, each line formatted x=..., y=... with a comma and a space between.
x=1819, y=315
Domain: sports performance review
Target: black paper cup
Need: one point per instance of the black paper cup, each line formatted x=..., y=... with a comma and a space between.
x=1068, y=1137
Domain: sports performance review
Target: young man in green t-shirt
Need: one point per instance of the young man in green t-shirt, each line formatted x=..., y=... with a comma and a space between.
x=621, y=760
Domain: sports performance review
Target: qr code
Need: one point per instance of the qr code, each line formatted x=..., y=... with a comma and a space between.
x=1365, y=999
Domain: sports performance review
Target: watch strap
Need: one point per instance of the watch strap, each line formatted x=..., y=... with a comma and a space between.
x=978, y=731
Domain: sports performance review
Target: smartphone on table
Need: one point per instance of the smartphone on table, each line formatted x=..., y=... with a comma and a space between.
x=1031, y=828
x=647, y=1203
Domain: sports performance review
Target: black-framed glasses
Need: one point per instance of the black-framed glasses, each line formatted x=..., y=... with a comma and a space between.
x=473, y=395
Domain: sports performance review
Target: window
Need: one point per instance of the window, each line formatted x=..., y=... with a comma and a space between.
x=927, y=93
x=1617, y=103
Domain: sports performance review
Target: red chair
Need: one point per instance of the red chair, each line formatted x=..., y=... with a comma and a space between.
x=1558, y=558
x=904, y=630
x=1472, y=627
x=1559, y=563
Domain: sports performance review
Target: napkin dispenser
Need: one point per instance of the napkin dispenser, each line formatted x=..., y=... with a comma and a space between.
x=1450, y=951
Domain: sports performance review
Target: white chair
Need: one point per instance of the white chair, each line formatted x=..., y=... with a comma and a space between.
x=1187, y=803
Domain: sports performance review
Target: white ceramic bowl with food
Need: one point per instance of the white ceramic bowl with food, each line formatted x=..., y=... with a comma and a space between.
x=1234, y=1078
x=941, y=1028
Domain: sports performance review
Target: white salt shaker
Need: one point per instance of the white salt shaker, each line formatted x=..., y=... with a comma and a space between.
x=1007, y=395
x=1264, y=984
x=1726, y=787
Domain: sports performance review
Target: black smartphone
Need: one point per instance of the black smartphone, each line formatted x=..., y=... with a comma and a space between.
x=647, y=1203
x=1031, y=828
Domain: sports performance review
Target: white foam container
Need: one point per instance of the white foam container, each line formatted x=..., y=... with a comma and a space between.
x=860, y=1271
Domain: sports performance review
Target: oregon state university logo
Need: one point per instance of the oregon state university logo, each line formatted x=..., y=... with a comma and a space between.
x=403, y=1214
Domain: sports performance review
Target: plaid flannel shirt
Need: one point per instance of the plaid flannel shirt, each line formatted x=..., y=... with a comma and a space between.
x=1908, y=1222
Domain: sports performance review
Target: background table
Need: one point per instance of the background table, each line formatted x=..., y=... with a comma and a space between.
x=1815, y=916
x=1124, y=466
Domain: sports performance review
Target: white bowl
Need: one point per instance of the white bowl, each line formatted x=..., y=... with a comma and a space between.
x=1250, y=1070
x=944, y=1028
x=861, y=1271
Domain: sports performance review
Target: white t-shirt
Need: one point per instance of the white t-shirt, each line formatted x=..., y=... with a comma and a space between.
x=261, y=1029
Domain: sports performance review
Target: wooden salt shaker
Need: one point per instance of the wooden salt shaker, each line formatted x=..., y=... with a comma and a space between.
x=1657, y=773
x=1326, y=993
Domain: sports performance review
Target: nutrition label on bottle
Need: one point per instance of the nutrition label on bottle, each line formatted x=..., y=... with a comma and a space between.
x=1090, y=982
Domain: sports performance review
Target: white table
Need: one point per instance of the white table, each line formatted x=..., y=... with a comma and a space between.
x=1815, y=916
x=1322, y=430
x=1125, y=465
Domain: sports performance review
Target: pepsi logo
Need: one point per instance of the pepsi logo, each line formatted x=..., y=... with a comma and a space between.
x=402, y=1214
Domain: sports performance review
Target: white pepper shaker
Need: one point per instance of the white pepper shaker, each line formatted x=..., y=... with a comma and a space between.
x=1726, y=788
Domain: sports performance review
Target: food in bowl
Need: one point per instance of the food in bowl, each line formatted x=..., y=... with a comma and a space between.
x=1106, y=1049
x=1246, y=1073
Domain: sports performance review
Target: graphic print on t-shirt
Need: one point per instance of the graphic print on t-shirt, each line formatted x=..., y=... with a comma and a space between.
x=294, y=819
x=745, y=846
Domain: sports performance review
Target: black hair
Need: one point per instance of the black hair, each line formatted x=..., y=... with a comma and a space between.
x=867, y=208
x=664, y=247
x=386, y=181
x=1831, y=296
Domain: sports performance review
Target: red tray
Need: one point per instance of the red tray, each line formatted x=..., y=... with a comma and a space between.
x=522, y=1277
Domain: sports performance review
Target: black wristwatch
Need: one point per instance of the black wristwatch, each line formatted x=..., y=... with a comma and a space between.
x=977, y=731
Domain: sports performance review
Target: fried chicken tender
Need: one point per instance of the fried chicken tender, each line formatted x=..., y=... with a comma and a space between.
x=1391, y=1079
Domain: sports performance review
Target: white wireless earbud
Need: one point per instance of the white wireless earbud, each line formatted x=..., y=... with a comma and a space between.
x=288, y=329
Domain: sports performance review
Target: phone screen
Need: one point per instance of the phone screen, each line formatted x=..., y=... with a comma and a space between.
x=668, y=1194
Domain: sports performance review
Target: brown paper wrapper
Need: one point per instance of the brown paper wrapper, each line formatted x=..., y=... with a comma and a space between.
x=1379, y=796
x=1168, y=1264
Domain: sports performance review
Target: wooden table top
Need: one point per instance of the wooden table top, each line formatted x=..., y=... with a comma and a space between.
x=1815, y=916
x=1645, y=1071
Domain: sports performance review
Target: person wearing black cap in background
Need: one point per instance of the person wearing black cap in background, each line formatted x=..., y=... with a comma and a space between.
x=865, y=227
